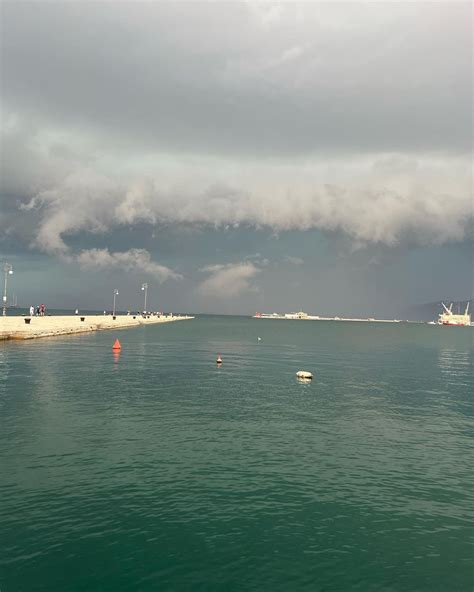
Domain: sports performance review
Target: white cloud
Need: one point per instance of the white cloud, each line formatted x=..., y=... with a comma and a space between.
x=385, y=199
x=226, y=281
x=133, y=260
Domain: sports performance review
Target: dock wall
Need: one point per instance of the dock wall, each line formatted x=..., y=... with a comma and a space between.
x=48, y=326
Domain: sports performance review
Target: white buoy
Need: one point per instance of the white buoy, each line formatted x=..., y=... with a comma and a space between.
x=304, y=374
x=259, y=339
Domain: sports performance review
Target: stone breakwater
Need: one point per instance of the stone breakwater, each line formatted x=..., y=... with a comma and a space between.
x=49, y=326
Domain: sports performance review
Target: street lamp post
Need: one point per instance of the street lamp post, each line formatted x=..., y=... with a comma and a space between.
x=8, y=270
x=145, y=289
x=115, y=295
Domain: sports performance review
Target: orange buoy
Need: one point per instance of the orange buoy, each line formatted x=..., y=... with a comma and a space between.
x=219, y=359
x=116, y=346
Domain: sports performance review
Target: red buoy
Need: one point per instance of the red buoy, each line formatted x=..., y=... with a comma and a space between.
x=219, y=359
x=116, y=346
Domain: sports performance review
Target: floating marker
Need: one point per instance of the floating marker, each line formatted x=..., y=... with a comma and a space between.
x=302, y=374
x=116, y=346
x=259, y=339
x=219, y=359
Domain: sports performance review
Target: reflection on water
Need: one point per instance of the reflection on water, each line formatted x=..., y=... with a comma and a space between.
x=302, y=380
x=456, y=361
x=174, y=472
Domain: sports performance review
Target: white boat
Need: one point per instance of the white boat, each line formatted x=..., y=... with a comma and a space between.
x=449, y=318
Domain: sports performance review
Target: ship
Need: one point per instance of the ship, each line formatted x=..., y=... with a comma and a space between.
x=14, y=303
x=449, y=318
x=276, y=315
x=296, y=315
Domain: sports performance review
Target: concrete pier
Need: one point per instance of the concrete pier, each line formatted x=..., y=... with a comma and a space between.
x=48, y=326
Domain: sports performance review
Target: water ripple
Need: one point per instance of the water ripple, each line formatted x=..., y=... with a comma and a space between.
x=156, y=469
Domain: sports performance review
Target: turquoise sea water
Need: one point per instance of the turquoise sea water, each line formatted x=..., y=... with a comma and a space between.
x=160, y=471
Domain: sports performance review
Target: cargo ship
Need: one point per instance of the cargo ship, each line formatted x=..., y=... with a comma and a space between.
x=449, y=318
x=14, y=303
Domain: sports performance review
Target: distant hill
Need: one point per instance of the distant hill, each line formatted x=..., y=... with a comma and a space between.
x=430, y=310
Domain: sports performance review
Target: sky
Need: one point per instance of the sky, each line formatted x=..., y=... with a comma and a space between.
x=237, y=156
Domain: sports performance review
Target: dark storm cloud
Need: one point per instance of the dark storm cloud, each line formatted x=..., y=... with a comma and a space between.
x=244, y=78
x=347, y=118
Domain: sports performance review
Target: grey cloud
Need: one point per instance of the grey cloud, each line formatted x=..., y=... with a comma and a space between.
x=293, y=260
x=348, y=118
x=26, y=165
x=293, y=78
x=379, y=200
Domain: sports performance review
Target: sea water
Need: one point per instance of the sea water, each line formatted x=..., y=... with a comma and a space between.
x=156, y=469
